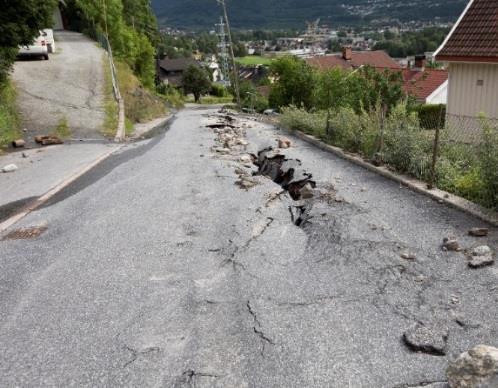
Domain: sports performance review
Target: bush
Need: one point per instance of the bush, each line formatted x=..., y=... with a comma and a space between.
x=408, y=148
x=297, y=119
x=488, y=163
x=218, y=90
x=432, y=116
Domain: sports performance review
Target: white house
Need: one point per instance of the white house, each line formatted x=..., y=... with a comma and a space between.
x=471, y=53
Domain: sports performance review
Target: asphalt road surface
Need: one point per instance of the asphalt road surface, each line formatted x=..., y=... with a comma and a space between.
x=67, y=86
x=156, y=269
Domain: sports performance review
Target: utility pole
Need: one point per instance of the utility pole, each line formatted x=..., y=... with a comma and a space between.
x=223, y=52
x=235, y=72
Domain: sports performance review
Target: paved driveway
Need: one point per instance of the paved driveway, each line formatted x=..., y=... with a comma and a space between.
x=158, y=270
x=69, y=85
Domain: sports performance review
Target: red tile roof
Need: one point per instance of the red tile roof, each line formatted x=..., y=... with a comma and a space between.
x=475, y=36
x=378, y=59
x=421, y=84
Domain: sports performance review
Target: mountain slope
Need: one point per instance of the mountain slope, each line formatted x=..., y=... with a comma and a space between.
x=294, y=13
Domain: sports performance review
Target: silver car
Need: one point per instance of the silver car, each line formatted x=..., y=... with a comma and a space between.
x=38, y=48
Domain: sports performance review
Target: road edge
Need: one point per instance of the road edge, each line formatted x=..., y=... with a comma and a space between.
x=416, y=185
x=12, y=220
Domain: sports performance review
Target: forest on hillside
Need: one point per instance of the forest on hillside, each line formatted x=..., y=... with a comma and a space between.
x=198, y=14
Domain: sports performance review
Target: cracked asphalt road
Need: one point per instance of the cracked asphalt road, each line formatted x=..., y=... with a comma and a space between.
x=158, y=270
x=69, y=85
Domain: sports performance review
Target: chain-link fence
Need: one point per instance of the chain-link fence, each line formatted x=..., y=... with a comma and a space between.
x=453, y=153
x=467, y=159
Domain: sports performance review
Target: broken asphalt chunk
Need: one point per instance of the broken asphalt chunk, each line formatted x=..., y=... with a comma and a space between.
x=478, y=232
x=451, y=244
x=9, y=168
x=427, y=339
x=481, y=256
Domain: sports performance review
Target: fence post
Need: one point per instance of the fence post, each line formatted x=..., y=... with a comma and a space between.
x=435, y=153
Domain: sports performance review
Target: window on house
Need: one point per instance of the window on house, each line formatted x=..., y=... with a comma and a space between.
x=480, y=82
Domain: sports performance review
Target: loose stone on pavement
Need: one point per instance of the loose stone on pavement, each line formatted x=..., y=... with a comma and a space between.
x=429, y=339
x=477, y=368
x=481, y=256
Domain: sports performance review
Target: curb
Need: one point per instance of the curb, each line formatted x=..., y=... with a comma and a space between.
x=53, y=191
x=416, y=185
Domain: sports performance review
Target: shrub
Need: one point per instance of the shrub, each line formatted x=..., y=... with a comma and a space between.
x=407, y=147
x=432, y=116
x=294, y=118
x=218, y=90
x=488, y=163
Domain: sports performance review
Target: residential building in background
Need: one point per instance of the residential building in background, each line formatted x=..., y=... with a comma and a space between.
x=427, y=86
x=471, y=52
x=351, y=60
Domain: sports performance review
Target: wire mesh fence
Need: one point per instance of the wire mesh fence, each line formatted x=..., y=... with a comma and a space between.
x=454, y=153
x=467, y=159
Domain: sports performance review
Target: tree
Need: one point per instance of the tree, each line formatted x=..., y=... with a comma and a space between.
x=294, y=84
x=21, y=22
x=196, y=80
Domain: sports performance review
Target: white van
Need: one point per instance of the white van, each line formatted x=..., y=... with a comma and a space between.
x=37, y=49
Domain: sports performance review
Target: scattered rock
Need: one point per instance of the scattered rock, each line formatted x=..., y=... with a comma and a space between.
x=19, y=143
x=246, y=182
x=9, y=168
x=482, y=250
x=246, y=159
x=284, y=143
x=408, y=256
x=241, y=142
x=479, y=232
x=451, y=244
x=481, y=256
x=222, y=151
x=25, y=155
x=477, y=368
x=48, y=140
x=420, y=279
x=431, y=340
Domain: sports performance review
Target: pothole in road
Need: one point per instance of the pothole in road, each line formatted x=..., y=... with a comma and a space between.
x=293, y=178
x=26, y=233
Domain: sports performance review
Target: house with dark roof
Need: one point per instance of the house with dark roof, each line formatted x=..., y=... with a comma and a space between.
x=351, y=60
x=170, y=71
x=471, y=53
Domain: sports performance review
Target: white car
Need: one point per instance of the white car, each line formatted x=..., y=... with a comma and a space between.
x=49, y=37
x=38, y=48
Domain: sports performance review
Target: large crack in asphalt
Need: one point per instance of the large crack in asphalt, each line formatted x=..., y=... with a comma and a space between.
x=365, y=253
x=292, y=177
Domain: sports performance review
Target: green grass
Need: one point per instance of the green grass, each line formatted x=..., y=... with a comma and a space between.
x=111, y=108
x=141, y=104
x=252, y=60
x=9, y=117
x=62, y=130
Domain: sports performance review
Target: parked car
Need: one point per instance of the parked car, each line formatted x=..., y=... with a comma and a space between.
x=49, y=37
x=37, y=49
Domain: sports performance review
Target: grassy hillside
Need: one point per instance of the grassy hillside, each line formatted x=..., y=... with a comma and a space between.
x=9, y=119
x=293, y=13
